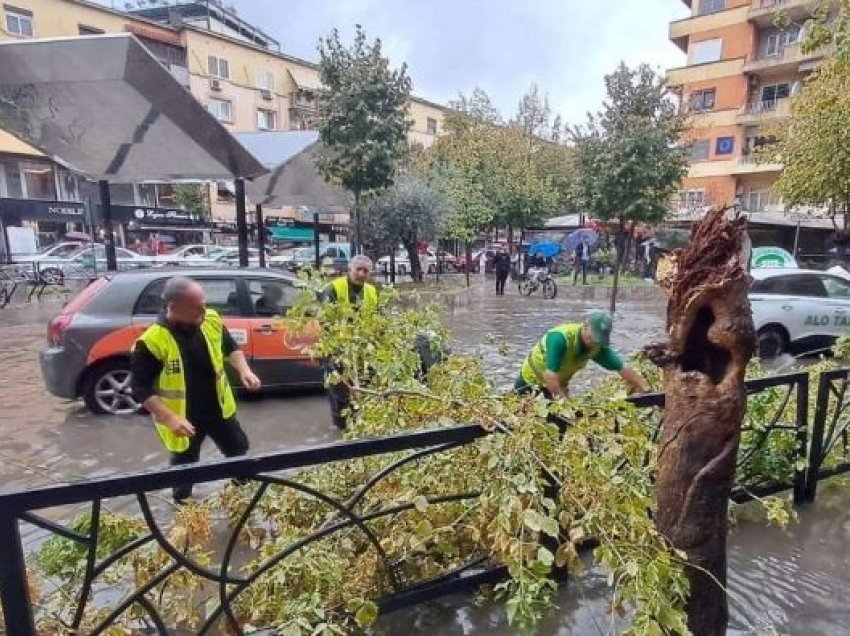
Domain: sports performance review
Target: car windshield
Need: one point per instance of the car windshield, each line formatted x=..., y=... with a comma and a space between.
x=60, y=250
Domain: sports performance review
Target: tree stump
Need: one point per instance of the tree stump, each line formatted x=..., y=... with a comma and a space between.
x=711, y=340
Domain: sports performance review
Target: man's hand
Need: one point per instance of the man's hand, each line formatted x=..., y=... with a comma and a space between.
x=180, y=426
x=249, y=380
x=635, y=381
x=247, y=377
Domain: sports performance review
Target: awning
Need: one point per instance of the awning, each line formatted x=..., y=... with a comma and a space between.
x=305, y=79
x=10, y=144
x=294, y=178
x=105, y=106
x=291, y=234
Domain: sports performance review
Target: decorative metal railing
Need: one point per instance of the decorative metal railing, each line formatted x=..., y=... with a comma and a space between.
x=777, y=432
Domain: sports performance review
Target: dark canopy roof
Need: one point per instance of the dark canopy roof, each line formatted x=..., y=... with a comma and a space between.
x=107, y=108
x=294, y=178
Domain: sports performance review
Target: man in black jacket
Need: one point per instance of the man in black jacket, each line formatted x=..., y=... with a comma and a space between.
x=502, y=265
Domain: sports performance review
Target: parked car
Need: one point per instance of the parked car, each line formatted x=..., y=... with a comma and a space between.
x=86, y=261
x=797, y=310
x=191, y=255
x=89, y=342
x=54, y=251
x=427, y=262
x=333, y=257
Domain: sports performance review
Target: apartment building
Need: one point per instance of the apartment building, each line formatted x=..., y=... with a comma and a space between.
x=742, y=70
x=235, y=69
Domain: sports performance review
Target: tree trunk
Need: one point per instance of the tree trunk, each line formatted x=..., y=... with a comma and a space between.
x=620, y=248
x=712, y=338
x=468, y=253
x=354, y=226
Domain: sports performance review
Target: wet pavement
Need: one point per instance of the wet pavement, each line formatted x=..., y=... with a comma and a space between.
x=781, y=581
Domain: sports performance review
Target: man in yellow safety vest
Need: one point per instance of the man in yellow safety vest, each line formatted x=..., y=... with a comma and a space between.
x=565, y=349
x=178, y=374
x=351, y=290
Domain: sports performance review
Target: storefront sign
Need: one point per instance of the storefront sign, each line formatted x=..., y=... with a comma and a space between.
x=772, y=257
x=150, y=215
x=34, y=210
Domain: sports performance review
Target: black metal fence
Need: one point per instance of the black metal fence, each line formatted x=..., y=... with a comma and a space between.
x=777, y=431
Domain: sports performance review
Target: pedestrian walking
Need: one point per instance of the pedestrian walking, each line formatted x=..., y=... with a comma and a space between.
x=178, y=375
x=582, y=261
x=565, y=349
x=354, y=290
x=502, y=265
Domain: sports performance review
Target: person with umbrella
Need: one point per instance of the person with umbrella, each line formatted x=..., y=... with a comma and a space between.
x=582, y=260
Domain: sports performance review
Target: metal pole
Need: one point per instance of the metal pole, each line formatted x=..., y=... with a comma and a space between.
x=14, y=590
x=802, y=426
x=316, y=247
x=797, y=239
x=241, y=223
x=468, y=254
x=261, y=235
x=106, y=214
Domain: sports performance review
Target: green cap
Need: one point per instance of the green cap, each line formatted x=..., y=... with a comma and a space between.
x=600, y=326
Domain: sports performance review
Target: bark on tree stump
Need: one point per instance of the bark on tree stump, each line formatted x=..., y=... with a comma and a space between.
x=711, y=340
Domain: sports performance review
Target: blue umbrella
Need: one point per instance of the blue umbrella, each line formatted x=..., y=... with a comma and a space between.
x=546, y=249
x=575, y=238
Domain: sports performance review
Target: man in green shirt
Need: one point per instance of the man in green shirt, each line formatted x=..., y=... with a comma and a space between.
x=565, y=349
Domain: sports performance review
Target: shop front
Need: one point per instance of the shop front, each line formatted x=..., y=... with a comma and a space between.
x=29, y=224
x=149, y=229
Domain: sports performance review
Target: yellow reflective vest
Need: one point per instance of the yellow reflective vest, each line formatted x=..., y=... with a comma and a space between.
x=535, y=363
x=370, y=293
x=171, y=383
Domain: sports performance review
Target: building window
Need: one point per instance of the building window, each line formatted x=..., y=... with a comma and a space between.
x=146, y=194
x=69, y=185
x=122, y=194
x=39, y=181
x=703, y=100
x=711, y=6
x=266, y=120
x=701, y=150
x=166, y=195
x=222, y=110
x=265, y=80
x=706, y=51
x=10, y=179
x=773, y=92
x=759, y=200
x=89, y=30
x=218, y=67
x=18, y=21
x=691, y=199
x=774, y=41
x=431, y=126
x=724, y=146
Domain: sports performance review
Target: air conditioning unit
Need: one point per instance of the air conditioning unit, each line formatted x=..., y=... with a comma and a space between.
x=215, y=84
x=267, y=94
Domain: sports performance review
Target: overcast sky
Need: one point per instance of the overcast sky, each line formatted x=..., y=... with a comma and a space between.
x=565, y=46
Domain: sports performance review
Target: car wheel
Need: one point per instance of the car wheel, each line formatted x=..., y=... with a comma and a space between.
x=550, y=289
x=106, y=390
x=772, y=342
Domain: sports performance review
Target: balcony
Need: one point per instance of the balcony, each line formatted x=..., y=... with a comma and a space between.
x=704, y=72
x=763, y=12
x=760, y=111
x=680, y=30
x=790, y=60
x=747, y=164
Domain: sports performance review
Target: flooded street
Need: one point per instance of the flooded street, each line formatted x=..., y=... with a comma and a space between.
x=781, y=581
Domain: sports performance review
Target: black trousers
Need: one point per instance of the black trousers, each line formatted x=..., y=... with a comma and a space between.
x=501, y=279
x=339, y=397
x=581, y=268
x=228, y=436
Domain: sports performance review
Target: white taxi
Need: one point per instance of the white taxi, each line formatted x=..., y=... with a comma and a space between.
x=798, y=311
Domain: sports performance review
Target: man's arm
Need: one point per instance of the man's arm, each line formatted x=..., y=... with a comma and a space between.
x=610, y=360
x=144, y=369
x=236, y=359
x=635, y=380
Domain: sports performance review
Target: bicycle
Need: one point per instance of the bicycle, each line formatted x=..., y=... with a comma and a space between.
x=538, y=279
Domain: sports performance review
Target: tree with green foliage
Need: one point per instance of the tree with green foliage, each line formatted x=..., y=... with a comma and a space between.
x=409, y=212
x=629, y=159
x=192, y=198
x=363, y=117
